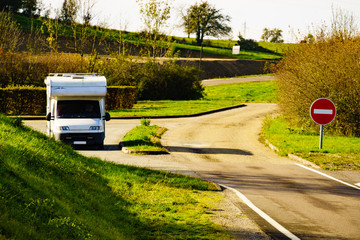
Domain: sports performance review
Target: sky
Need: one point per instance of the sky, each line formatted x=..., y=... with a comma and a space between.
x=249, y=17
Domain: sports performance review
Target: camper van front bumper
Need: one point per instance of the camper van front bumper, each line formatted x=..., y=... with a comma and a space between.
x=82, y=138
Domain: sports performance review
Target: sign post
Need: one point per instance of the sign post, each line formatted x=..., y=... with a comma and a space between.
x=236, y=50
x=322, y=112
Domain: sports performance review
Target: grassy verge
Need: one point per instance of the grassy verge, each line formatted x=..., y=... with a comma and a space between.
x=49, y=191
x=338, y=153
x=216, y=97
x=145, y=138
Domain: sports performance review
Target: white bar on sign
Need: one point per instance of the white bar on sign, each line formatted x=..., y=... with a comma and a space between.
x=323, y=111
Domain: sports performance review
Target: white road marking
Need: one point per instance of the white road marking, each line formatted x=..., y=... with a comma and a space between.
x=330, y=177
x=323, y=111
x=262, y=214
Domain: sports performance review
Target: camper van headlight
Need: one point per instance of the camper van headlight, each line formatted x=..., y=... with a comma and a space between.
x=64, y=128
x=93, y=128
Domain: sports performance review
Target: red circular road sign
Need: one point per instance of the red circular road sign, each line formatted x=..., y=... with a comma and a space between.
x=323, y=111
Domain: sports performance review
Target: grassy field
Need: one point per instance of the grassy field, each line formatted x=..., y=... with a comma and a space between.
x=244, y=54
x=49, y=191
x=145, y=138
x=338, y=153
x=216, y=97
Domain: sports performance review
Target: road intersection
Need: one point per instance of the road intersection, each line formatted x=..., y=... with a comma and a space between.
x=224, y=148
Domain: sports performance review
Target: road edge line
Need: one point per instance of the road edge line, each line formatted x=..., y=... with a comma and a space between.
x=266, y=217
x=328, y=176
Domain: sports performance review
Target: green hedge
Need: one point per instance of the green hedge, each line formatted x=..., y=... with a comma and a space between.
x=120, y=97
x=23, y=100
x=32, y=100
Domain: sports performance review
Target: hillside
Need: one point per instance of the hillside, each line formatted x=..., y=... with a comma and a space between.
x=108, y=41
x=48, y=191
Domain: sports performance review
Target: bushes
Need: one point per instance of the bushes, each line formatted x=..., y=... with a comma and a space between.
x=27, y=69
x=154, y=81
x=169, y=82
x=32, y=100
x=328, y=68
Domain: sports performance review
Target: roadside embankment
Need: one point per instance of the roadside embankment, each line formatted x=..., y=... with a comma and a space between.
x=222, y=68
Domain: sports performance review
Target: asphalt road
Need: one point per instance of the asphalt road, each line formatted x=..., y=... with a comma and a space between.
x=224, y=148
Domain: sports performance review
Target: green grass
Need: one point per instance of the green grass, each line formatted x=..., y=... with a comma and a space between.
x=217, y=97
x=338, y=153
x=244, y=54
x=279, y=48
x=49, y=191
x=145, y=138
x=224, y=47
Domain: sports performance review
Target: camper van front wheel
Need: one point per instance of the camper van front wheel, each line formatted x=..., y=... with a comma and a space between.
x=48, y=117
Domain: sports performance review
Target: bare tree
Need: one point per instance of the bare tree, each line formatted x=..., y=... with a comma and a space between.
x=81, y=34
x=10, y=36
x=69, y=11
x=155, y=14
x=51, y=27
x=343, y=24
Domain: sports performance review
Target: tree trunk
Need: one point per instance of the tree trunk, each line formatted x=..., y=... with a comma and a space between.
x=198, y=36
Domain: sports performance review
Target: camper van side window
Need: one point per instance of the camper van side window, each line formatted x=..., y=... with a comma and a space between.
x=78, y=109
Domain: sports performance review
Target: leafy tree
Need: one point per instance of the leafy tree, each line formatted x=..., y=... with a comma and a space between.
x=266, y=35
x=272, y=35
x=308, y=39
x=29, y=7
x=69, y=11
x=10, y=5
x=276, y=36
x=204, y=19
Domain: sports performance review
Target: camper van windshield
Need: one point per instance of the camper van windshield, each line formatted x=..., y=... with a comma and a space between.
x=78, y=109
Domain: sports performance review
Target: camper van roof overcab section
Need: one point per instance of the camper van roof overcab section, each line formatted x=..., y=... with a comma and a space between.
x=75, y=84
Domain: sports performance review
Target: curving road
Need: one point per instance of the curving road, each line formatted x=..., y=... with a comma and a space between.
x=224, y=148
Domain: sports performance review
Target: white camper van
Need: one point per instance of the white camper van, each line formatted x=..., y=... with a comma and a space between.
x=76, y=108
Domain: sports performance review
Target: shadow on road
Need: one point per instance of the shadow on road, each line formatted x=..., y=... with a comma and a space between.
x=108, y=147
x=209, y=150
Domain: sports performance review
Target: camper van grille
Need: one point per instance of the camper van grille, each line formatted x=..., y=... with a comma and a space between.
x=90, y=138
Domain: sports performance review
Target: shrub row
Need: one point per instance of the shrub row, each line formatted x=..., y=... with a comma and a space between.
x=24, y=69
x=154, y=81
x=32, y=100
x=325, y=69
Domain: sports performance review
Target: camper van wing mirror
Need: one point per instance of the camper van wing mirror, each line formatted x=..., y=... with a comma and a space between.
x=48, y=117
x=107, y=116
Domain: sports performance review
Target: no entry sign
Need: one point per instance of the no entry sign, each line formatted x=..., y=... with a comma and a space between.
x=323, y=111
